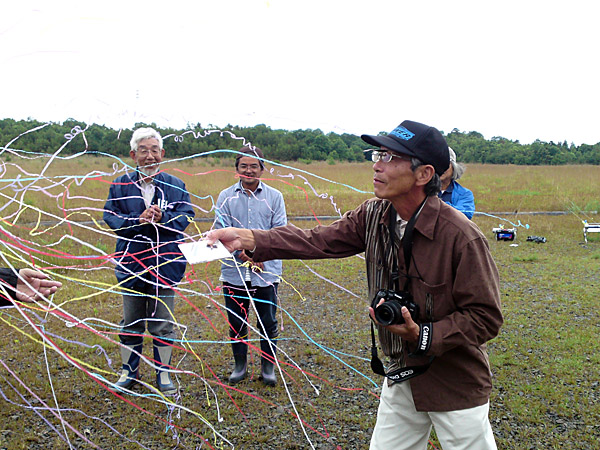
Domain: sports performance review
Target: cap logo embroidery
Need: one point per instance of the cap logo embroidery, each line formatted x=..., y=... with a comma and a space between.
x=402, y=133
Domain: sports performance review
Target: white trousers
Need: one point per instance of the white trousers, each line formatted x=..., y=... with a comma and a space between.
x=401, y=427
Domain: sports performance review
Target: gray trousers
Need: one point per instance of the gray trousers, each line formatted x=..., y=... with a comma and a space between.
x=143, y=309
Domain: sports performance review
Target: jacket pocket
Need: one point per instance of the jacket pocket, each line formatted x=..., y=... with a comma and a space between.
x=434, y=301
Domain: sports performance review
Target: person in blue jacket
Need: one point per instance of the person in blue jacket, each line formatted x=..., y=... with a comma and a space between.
x=453, y=193
x=148, y=209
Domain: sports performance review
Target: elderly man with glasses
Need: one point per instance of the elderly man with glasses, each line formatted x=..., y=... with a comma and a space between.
x=433, y=289
x=148, y=209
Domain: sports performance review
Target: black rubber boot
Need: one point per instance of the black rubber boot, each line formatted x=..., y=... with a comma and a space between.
x=267, y=373
x=240, y=355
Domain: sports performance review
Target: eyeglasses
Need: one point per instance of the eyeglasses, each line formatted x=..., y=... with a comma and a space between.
x=155, y=151
x=386, y=157
x=249, y=166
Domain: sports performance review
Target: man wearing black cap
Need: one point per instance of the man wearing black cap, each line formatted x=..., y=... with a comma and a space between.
x=250, y=203
x=433, y=288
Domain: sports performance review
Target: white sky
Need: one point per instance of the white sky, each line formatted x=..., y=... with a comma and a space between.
x=523, y=69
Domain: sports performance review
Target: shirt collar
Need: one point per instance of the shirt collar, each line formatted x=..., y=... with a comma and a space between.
x=146, y=183
x=426, y=221
x=239, y=186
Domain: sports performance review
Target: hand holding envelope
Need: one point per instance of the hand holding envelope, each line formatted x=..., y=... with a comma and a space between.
x=201, y=251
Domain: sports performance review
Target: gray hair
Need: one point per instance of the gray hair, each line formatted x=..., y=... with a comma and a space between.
x=457, y=168
x=144, y=133
x=434, y=185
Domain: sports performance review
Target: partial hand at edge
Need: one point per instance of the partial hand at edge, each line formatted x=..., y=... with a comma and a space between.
x=33, y=285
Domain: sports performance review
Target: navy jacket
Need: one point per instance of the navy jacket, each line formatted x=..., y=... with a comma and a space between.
x=147, y=251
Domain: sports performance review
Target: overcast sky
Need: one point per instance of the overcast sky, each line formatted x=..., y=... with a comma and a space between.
x=522, y=69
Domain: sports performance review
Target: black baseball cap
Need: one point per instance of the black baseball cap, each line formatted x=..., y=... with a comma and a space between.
x=415, y=139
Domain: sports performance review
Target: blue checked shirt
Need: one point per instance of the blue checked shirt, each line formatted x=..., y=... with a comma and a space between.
x=263, y=209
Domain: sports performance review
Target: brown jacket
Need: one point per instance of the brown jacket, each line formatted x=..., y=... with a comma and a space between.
x=454, y=281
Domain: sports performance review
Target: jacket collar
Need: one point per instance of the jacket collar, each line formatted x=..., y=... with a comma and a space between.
x=428, y=218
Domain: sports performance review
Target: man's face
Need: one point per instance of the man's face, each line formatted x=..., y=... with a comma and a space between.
x=148, y=156
x=447, y=176
x=249, y=171
x=393, y=179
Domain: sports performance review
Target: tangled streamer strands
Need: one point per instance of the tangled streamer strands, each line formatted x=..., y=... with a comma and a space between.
x=60, y=355
x=51, y=221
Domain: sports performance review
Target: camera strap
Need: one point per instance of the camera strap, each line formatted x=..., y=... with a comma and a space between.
x=407, y=243
x=398, y=375
x=403, y=373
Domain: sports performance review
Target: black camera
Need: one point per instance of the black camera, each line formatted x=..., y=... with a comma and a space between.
x=390, y=311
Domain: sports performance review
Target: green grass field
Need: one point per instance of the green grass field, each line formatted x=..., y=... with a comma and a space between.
x=545, y=360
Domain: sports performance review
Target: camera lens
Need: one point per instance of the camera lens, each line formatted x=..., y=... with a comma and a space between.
x=389, y=313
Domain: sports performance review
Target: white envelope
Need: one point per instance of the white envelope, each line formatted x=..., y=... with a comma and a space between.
x=200, y=252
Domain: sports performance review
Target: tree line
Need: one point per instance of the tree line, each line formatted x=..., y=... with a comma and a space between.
x=278, y=145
